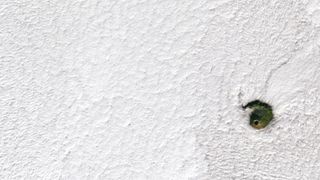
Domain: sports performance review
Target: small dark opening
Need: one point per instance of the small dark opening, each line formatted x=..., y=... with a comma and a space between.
x=256, y=122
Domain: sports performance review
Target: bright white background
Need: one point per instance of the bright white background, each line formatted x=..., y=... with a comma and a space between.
x=152, y=89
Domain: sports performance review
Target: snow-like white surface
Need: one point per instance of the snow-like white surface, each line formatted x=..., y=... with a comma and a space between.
x=152, y=89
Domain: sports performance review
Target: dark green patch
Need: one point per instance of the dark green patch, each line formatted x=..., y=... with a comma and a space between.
x=261, y=115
